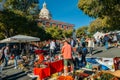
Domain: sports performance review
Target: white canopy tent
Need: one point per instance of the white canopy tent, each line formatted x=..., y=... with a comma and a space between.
x=114, y=32
x=98, y=34
x=20, y=38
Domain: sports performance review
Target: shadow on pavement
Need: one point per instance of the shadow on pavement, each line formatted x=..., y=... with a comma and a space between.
x=8, y=67
x=98, y=51
x=110, y=47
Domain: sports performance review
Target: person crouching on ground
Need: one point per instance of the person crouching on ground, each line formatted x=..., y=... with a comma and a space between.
x=67, y=56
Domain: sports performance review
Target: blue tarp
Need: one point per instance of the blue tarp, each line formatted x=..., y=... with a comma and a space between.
x=93, y=61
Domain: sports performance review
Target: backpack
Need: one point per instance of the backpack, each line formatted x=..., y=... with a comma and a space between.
x=84, y=51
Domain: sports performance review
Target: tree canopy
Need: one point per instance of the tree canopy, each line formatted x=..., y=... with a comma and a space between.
x=27, y=6
x=17, y=18
x=12, y=24
x=100, y=8
x=57, y=33
x=107, y=10
x=81, y=31
x=14, y=20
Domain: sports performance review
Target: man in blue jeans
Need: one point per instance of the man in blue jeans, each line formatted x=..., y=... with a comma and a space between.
x=84, y=53
x=15, y=52
x=106, y=39
x=6, y=55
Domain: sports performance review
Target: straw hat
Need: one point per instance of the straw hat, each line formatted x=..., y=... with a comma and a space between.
x=65, y=41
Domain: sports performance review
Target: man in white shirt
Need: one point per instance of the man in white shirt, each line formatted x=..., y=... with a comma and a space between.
x=90, y=45
x=52, y=48
x=98, y=41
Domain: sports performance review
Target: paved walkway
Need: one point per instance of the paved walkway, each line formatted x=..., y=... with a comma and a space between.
x=110, y=53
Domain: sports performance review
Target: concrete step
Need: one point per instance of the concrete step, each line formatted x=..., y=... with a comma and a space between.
x=9, y=73
x=13, y=75
x=26, y=78
x=16, y=76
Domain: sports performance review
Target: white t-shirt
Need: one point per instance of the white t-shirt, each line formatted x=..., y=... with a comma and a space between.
x=90, y=43
x=52, y=45
x=114, y=38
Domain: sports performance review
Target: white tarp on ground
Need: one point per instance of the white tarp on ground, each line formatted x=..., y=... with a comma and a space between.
x=106, y=63
x=20, y=38
x=98, y=34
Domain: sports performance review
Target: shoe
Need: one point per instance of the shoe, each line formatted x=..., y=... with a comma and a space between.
x=90, y=55
x=15, y=67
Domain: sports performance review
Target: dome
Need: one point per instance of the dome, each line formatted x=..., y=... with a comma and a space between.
x=44, y=13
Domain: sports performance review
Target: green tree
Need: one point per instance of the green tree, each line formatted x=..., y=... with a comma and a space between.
x=100, y=24
x=12, y=23
x=54, y=32
x=27, y=6
x=107, y=10
x=67, y=33
x=14, y=20
x=81, y=31
x=100, y=8
x=9, y=22
x=96, y=25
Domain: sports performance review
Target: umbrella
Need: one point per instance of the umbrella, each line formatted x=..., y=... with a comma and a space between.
x=20, y=38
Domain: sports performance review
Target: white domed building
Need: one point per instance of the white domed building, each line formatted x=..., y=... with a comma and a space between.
x=45, y=20
x=44, y=13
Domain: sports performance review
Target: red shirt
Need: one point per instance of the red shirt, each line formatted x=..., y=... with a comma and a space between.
x=41, y=58
x=67, y=51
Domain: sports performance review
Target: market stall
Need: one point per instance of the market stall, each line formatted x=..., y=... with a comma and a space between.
x=94, y=65
x=51, y=68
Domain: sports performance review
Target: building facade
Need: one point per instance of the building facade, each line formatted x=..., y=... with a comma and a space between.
x=45, y=20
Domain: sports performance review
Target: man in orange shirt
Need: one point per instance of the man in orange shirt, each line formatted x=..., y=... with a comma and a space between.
x=67, y=56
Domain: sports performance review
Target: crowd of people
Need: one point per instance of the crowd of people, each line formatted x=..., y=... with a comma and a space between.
x=12, y=55
x=108, y=40
x=73, y=51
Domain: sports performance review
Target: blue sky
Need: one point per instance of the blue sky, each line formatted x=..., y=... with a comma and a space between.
x=67, y=11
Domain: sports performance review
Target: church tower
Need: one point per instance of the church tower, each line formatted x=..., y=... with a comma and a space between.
x=44, y=13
